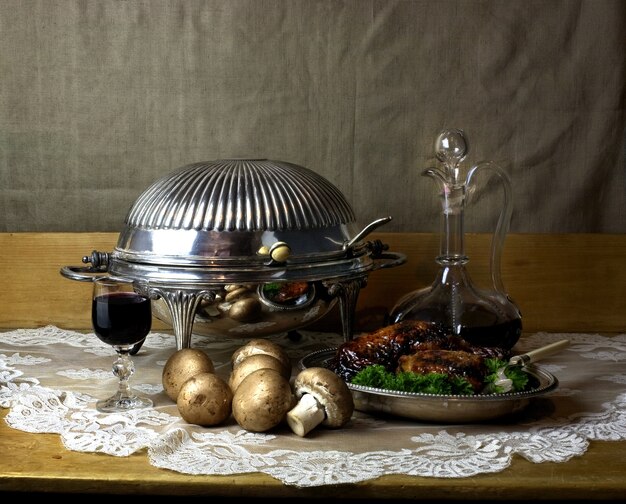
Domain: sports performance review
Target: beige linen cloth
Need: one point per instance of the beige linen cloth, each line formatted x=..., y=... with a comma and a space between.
x=100, y=98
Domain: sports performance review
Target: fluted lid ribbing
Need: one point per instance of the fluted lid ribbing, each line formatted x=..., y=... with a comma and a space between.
x=240, y=195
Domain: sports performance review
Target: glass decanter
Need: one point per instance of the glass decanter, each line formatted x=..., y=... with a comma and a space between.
x=483, y=317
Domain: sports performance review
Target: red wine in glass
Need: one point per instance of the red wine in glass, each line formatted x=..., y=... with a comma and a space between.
x=122, y=318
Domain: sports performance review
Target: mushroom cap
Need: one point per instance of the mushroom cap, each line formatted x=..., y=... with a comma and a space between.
x=251, y=364
x=262, y=400
x=261, y=346
x=205, y=399
x=182, y=365
x=330, y=391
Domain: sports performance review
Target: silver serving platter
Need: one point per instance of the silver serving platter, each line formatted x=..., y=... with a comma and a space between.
x=448, y=409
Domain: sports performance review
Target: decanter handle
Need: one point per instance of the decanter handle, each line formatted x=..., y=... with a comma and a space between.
x=502, y=227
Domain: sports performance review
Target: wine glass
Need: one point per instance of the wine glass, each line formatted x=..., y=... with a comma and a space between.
x=122, y=318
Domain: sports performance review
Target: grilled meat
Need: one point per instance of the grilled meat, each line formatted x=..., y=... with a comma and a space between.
x=290, y=291
x=449, y=362
x=386, y=345
x=458, y=343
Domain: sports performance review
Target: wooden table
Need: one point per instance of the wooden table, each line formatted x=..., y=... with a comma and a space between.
x=563, y=283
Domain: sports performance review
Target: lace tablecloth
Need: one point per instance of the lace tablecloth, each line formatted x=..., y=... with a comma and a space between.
x=50, y=379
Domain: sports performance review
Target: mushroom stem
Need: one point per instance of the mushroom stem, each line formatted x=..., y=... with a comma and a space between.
x=307, y=414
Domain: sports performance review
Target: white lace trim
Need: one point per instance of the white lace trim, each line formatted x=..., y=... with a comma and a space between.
x=50, y=378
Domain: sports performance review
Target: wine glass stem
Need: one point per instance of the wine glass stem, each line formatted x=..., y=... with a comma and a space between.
x=123, y=368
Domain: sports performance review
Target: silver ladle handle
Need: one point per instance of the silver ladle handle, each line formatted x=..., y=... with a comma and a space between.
x=539, y=353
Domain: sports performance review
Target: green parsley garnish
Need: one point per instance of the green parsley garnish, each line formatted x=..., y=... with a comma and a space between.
x=377, y=376
x=271, y=289
x=431, y=383
x=514, y=373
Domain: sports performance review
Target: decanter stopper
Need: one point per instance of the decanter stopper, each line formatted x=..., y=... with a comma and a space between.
x=451, y=147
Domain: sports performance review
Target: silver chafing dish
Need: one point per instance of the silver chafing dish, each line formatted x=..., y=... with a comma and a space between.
x=243, y=247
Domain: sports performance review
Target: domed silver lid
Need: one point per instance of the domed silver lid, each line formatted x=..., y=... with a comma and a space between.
x=232, y=213
x=241, y=195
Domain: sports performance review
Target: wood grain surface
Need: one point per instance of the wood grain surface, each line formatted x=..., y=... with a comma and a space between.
x=562, y=283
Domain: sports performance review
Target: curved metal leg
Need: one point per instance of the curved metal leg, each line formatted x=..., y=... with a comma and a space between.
x=348, y=293
x=182, y=305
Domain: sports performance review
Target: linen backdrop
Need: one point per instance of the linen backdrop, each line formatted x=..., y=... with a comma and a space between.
x=100, y=98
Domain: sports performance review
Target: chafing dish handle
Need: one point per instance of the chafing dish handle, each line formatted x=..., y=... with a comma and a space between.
x=382, y=258
x=99, y=264
x=388, y=260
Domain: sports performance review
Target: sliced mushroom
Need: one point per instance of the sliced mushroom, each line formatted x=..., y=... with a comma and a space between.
x=262, y=400
x=262, y=346
x=253, y=363
x=205, y=399
x=323, y=398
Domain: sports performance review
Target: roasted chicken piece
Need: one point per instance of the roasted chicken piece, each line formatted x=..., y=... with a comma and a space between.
x=285, y=293
x=449, y=362
x=386, y=345
x=290, y=291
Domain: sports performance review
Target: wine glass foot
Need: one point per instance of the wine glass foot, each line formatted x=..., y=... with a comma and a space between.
x=117, y=403
x=136, y=347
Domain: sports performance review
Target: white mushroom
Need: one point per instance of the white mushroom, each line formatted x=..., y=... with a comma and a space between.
x=262, y=400
x=253, y=363
x=182, y=365
x=323, y=398
x=262, y=346
x=205, y=399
